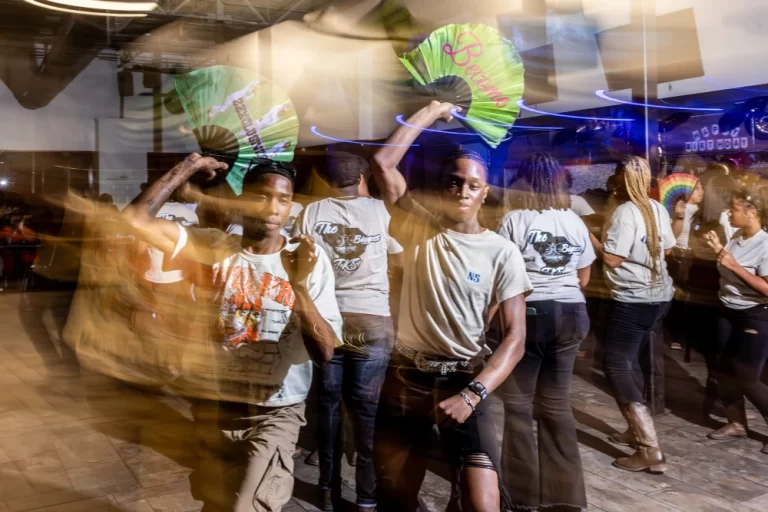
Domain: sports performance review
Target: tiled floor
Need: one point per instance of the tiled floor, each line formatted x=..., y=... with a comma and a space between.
x=81, y=442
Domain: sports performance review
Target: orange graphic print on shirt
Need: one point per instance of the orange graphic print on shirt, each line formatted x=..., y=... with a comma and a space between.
x=246, y=317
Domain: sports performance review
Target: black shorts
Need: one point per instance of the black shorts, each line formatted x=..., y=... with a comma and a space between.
x=408, y=410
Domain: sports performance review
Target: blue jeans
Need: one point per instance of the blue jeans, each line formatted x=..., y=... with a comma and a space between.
x=631, y=328
x=355, y=374
x=547, y=473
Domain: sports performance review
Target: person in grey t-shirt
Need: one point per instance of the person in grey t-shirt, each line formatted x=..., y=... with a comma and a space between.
x=558, y=257
x=633, y=249
x=456, y=275
x=743, y=322
x=353, y=229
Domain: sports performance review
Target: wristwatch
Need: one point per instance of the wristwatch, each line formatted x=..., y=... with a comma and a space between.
x=478, y=389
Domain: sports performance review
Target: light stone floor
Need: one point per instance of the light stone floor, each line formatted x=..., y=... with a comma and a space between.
x=82, y=442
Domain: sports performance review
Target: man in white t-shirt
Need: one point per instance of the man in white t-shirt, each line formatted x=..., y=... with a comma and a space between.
x=456, y=274
x=273, y=311
x=353, y=229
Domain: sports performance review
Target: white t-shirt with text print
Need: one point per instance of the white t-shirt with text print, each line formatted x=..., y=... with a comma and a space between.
x=259, y=350
x=354, y=233
x=451, y=281
x=555, y=245
x=626, y=237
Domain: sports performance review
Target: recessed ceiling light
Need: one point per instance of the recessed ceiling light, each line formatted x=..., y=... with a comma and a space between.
x=116, y=8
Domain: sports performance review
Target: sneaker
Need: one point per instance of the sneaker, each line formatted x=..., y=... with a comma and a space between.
x=326, y=498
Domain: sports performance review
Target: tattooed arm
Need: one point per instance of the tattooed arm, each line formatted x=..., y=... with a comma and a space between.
x=140, y=214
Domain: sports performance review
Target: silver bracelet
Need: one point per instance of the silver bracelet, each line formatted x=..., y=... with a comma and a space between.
x=467, y=399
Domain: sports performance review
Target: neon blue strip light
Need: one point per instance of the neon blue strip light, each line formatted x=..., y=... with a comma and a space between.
x=458, y=115
x=522, y=105
x=600, y=93
x=400, y=119
x=314, y=130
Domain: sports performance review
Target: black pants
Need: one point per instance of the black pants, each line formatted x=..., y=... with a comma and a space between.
x=404, y=421
x=744, y=334
x=631, y=328
x=356, y=374
x=539, y=388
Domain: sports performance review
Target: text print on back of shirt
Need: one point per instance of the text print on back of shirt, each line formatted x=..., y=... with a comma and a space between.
x=555, y=251
x=347, y=243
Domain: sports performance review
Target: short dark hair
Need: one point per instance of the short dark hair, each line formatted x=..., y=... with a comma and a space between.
x=464, y=154
x=259, y=168
x=344, y=169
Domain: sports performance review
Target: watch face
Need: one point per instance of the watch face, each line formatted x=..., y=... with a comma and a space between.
x=478, y=389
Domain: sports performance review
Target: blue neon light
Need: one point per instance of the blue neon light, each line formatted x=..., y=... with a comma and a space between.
x=314, y=130
x=600, y=93
x=400, y=119
x=522, y=105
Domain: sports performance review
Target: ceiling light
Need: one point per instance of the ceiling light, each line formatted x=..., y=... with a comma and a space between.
x=116, y=8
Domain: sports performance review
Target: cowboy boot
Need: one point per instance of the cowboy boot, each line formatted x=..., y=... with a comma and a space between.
x=626, y=438
x=648, y=455
x=737, y=423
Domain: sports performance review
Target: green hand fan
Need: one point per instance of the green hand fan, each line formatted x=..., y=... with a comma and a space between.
x=238, y=115
x=483, y=71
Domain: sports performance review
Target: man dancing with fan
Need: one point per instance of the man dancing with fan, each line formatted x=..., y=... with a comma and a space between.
x=274, y=312
x=456, y=274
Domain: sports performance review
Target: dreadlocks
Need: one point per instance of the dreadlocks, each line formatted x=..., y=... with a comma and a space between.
x=637, y=176
x=547, y=181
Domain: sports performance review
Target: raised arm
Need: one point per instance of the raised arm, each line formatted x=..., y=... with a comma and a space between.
x=388, y=178
x=141, y=213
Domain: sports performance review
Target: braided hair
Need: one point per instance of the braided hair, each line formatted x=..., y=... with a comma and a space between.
x=637, y=177
x=548, y=183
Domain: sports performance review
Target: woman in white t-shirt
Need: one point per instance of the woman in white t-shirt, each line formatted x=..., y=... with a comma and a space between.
x=558, y=254
x=743, y=321
x=634, y=244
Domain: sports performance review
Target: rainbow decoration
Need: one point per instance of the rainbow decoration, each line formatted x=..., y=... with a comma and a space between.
x=676, y=187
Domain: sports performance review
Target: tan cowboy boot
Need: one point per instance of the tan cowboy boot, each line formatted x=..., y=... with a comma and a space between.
x=648, y=456
x=736, y=426
x=626, y=438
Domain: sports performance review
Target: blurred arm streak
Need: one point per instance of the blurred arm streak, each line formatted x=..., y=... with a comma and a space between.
x=141, y=213
x=512, y=347
x=391, y=183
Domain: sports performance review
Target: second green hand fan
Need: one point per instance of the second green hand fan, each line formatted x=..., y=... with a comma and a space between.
x=238, y=115
x=483, y=70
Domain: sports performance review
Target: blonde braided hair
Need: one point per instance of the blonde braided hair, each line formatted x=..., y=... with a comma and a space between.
x=637, y=176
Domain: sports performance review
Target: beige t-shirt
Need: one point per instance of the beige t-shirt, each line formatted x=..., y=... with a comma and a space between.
x=450, y=282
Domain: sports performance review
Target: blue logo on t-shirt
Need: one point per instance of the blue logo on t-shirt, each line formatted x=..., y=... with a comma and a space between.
x=473, y=277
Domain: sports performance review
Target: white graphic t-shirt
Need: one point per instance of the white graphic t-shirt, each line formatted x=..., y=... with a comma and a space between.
x=626, y=237
x=183, y=215
x=260, y=352
x=450, y=282
x=555, y=245
x=236, y=227
x=752, y=254
x=354, y=233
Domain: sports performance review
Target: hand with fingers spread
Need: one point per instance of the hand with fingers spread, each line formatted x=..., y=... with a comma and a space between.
x=713, y=241
x=300, y=263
